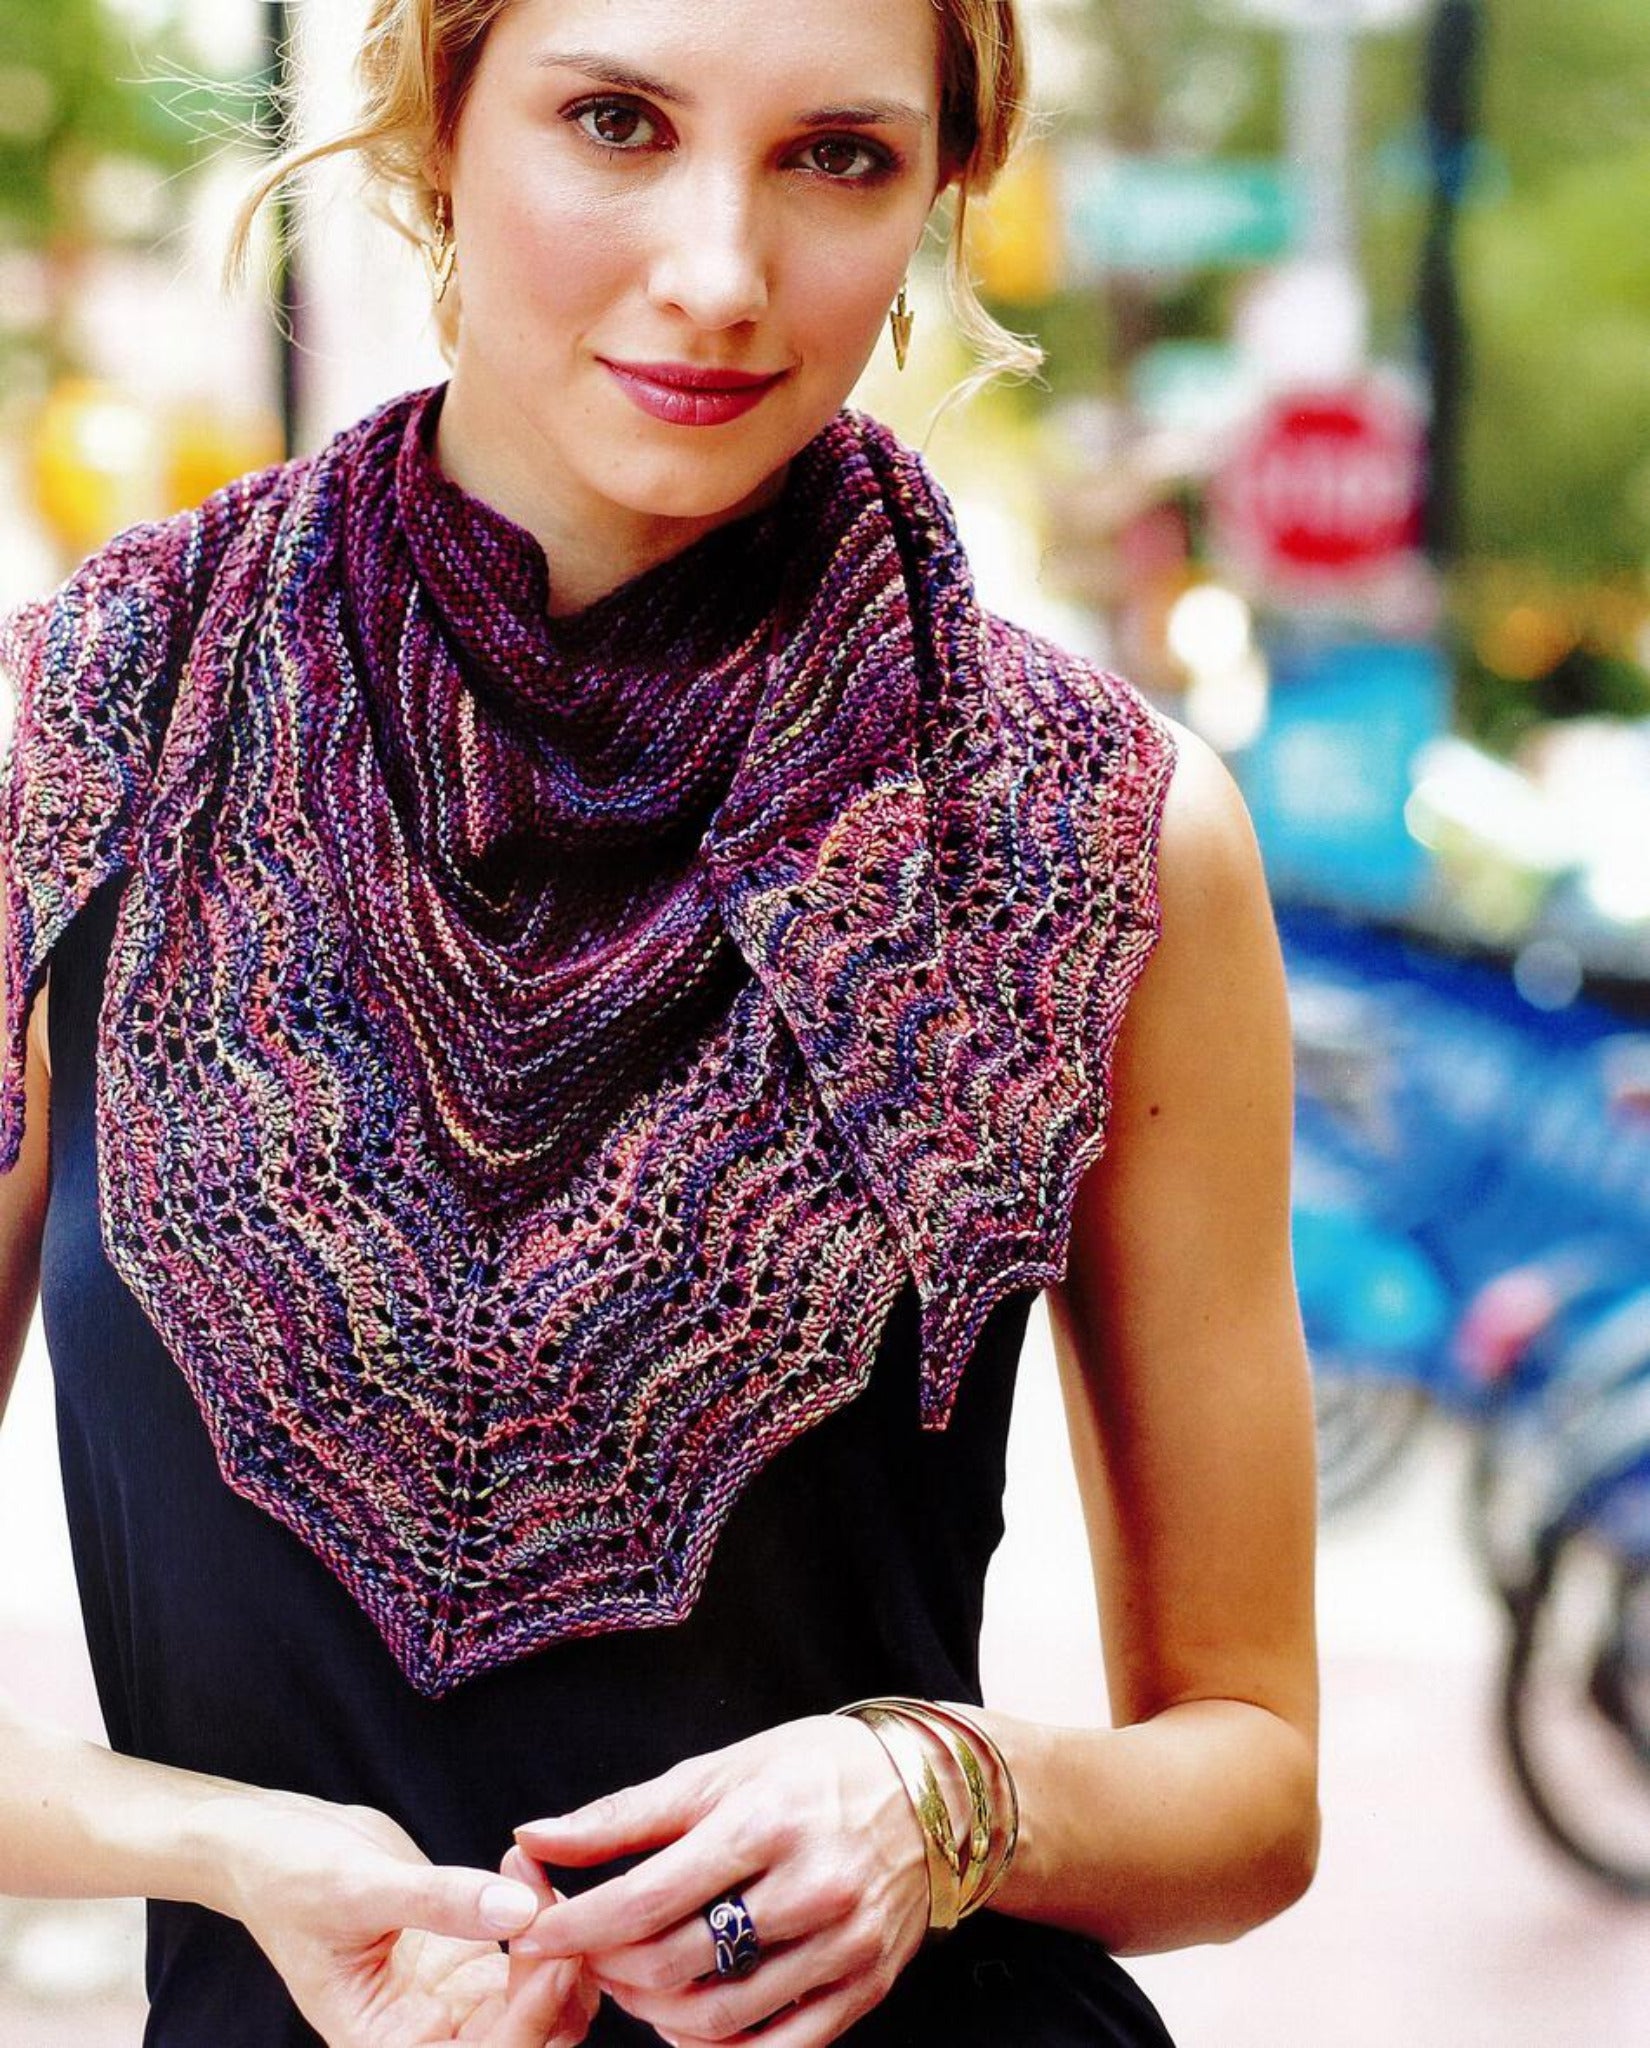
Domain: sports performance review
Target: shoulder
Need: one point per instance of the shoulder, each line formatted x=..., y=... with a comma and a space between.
x=1208, y=869
x=1206, y=851
x=1212, y=1001
x=1093, y=748
x=1208, y=857
x=1204, y=838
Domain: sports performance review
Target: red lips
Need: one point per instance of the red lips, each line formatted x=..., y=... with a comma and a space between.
x=685, y=395
x=688, y=377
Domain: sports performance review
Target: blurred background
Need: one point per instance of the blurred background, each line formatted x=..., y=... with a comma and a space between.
x=1343, y=452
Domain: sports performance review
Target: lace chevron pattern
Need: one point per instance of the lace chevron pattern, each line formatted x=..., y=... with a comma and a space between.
x=535, y=1053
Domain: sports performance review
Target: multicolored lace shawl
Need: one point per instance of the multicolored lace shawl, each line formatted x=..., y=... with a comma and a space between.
x=535, y=1054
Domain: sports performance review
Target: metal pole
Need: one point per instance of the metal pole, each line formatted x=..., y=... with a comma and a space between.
x=1321, y=105
x=1455, y=46
x=288, y=310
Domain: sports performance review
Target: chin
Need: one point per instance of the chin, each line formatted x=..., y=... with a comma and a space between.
x=692, y=487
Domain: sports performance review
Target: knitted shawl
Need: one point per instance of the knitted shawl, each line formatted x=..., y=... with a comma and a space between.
x=535, y=1054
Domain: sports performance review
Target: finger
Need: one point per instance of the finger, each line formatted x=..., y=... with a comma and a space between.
x=517, y=1867
x=675, y=1883
x=729, y=2008
x=682, y=1954
x=623, y=1823
x=547, y=2004
x=520, y=1868
x=470, y=1905
x=811, y=2024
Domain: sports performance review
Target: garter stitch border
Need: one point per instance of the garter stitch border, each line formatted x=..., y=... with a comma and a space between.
x=506, y=1423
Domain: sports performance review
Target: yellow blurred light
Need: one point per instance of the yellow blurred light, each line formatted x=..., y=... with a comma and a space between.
x=1526, y=643
x=93, y=461
x=207, y=449
x=1014, y=244
x=101, y=460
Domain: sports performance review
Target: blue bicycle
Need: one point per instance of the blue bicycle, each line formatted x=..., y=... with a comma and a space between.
x=1447, y=1135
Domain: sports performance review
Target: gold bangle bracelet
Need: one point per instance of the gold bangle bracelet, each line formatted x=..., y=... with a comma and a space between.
x=907, y=1753
x=967, y=1723
x=978, y=1873
x=987, y=1865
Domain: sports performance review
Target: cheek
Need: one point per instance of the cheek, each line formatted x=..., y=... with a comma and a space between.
x=839, y=293
x=534, y=258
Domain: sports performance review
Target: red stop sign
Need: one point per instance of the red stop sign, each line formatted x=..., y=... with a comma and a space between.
x=1327, y=485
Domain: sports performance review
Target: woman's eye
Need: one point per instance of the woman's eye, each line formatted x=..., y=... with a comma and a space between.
x=617, y=124
x=845, y=159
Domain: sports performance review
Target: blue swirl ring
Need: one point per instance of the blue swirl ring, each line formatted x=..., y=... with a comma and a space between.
x=733, y=1931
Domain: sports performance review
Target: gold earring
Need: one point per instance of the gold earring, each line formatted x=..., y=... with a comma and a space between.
x=441, y=254
x=900, y=322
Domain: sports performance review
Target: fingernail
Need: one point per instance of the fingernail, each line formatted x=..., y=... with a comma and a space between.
x=507, y=1906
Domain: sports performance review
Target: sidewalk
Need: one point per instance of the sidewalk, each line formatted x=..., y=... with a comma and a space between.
x=1439, y=1919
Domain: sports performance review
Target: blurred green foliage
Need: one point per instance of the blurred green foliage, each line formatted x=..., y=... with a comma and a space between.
x=1554, y=249
x=75, y=90
x=1556, y=264
x=1554, y=255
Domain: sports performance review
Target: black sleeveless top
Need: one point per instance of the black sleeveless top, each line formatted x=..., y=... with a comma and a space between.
x=854, y=1565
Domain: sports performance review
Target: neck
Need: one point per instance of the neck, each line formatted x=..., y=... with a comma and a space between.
x=591, y=544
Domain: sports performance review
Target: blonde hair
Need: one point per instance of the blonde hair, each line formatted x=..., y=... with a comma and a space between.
x=418, y=58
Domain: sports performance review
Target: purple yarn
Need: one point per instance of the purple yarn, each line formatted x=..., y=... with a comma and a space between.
x=536, y=1052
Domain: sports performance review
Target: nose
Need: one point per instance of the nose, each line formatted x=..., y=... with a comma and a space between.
x=710, y=261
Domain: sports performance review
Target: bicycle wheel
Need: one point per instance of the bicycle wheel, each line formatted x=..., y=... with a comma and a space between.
x=1575, y=1704
x=1508, y=1481
x=1366, y=1422
x=1598, y=1350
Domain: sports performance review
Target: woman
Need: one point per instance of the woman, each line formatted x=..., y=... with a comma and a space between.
x=587, y=998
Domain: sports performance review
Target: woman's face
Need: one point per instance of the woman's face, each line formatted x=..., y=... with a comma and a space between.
x=680, y=226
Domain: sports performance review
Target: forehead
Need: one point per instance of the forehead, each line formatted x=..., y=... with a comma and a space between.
x=811, y=49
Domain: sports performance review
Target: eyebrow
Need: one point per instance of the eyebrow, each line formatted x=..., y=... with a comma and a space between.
x=862, y=114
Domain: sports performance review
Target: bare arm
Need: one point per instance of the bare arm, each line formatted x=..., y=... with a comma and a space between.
x=326, y=1890
x=23, y=1209
x=1188, y=1397
x=75, y=1820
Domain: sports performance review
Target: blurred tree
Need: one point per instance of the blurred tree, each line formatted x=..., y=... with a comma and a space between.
x=1557, y=278
x=1554, y=248
x=82, y=122
x=1184, y=79
x=1199, y=78
x=1568, y=85
x=66, y=98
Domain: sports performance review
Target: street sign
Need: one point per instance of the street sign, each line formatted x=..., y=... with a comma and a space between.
x=1325, y=489
x=1198, y=387
x=1329, y=779
x=1155, y=213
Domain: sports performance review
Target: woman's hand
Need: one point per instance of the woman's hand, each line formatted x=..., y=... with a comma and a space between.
x=380, y=1948
x=810, y=1824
